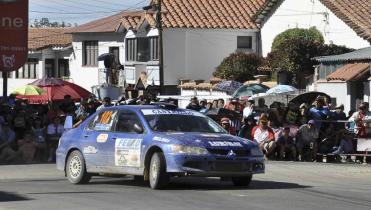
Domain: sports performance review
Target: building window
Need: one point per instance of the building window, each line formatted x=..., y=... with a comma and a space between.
x=244, y=42
x=29, y=69
x=142, y=49
x=131, y=49
x=63, y=68
x=153, y=45
x=90, y=53
x=49, y=67
x=116, y=52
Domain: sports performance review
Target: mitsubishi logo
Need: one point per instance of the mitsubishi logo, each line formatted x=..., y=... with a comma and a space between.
x=231, y=153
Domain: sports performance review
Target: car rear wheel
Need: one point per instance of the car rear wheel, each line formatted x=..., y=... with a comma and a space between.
x=75, y=168
x=242, y=181
x=158, y=178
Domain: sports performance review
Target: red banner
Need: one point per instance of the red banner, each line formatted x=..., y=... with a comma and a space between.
x=13, y=34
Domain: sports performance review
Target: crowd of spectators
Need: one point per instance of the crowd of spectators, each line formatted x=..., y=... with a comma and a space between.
x=30, y=133
x=296, y=132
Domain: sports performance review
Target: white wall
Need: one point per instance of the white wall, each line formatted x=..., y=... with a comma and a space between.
x=307, y=13
x=337, y=90
x=41, y=55
x=195, y=53
x=87, y=76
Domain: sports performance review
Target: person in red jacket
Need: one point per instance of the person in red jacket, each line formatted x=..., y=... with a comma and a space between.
x=264, y=136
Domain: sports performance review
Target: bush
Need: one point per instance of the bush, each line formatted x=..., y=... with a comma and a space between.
x=239, y=66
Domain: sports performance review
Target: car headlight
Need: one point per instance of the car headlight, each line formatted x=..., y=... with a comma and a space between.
x=255, y=151
x=181, y=149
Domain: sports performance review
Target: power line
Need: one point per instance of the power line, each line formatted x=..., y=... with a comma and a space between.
x=74, y=13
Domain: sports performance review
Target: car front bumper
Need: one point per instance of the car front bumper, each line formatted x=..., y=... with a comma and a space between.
x=212, y=165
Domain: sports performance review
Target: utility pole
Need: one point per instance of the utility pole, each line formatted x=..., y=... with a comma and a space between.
x=160, y=43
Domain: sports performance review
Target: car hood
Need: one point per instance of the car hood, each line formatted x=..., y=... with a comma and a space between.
x=209, y=140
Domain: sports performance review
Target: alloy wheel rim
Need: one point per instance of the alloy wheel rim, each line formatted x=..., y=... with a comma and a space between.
x=75, y=167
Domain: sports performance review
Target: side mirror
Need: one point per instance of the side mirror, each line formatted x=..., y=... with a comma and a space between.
x=138, y=129
x=68, y=123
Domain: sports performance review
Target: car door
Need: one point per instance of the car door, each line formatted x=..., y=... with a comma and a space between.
x=95, y=136
x=126, y=142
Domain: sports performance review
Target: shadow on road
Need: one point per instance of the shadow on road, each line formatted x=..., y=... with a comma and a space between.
x=204, y=184
x=7, y=197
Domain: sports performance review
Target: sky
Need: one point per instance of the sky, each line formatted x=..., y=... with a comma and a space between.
x=79, y=11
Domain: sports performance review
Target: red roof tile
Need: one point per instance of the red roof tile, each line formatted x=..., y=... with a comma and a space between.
x=231, y=14
x=350, y=72
x=41, y=38
x=355, y=13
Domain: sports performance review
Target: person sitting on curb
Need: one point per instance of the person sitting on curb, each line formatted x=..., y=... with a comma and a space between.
x=307, y=137
x=264, y=136
x=286, y=145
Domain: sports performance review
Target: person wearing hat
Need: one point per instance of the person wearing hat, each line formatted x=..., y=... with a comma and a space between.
x=264, y=136
x=234, y=105
x=307, y=135
x=286, y=145
x=225, y=122
x=362, y=120
x=339, y=115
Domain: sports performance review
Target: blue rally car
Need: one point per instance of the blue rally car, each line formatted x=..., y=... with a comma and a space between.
x=156, y=142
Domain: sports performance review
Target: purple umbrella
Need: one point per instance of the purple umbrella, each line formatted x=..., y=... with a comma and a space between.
x=229, y=86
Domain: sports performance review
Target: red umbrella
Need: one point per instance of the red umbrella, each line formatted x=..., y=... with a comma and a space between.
x=55, y=90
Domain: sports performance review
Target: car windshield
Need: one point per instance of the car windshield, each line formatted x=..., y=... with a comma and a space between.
x=182, y=123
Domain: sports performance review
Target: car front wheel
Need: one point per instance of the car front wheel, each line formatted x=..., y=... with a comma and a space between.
x=158, y=178
x=242, y=181
x=75, y=168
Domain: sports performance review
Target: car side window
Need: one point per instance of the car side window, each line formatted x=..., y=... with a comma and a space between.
x=126, y=121
x=103, y=121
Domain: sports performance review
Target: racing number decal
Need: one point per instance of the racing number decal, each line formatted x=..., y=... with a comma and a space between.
x=106, y=117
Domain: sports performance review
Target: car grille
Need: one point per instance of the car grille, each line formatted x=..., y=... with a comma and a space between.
x=239, y=153
x=221, y=166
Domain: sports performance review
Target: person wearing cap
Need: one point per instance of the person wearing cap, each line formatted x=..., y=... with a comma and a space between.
x=286, y=145
x=319, y=112
x=307, y=136
x=264, y=136
x=194, y=105
x=234, y=105
x=362, y=120
x=225, y=122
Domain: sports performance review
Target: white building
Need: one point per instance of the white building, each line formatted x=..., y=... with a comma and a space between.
x=342, y=22
x=197, y=36
x=346, y=78
x=48, y=56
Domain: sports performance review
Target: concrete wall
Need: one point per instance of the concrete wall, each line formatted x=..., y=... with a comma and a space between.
x=307, y=13
x=87, y=76
x=341, y=91
x=195, y=53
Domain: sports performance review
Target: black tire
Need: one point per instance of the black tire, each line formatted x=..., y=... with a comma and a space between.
x=158, y=178
x=242, y=181
x=75, y=168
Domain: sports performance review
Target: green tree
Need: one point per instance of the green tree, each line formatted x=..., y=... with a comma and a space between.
x=306, y=35
x=293, y=50
x=239, y=66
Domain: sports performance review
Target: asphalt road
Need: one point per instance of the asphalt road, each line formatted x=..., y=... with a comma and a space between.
x=286, y=185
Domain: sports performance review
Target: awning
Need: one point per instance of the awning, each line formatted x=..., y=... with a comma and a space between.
x=350, y=72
